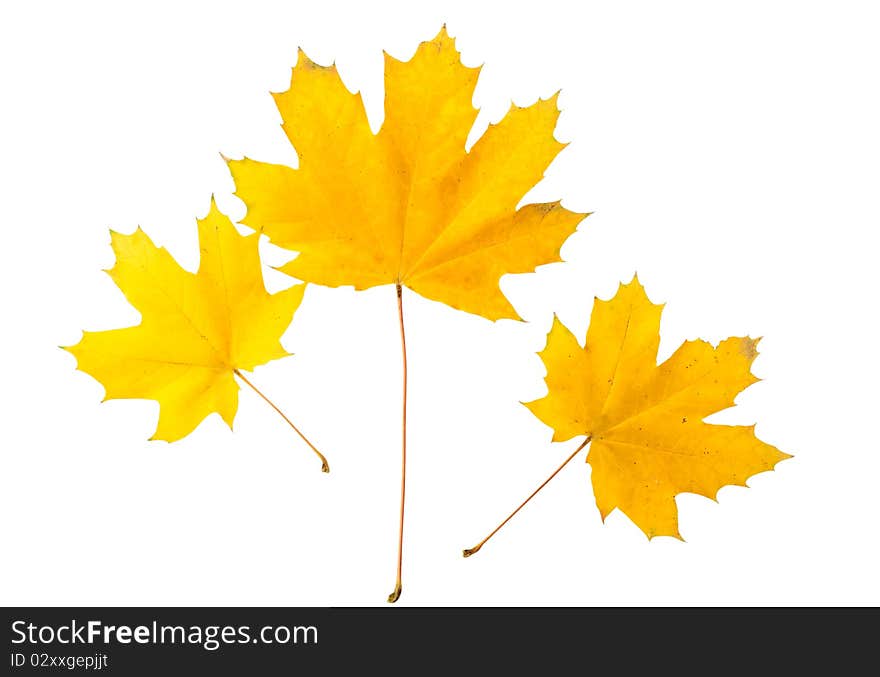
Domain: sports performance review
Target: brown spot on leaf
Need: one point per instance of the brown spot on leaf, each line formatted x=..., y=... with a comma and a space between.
x=749, y=348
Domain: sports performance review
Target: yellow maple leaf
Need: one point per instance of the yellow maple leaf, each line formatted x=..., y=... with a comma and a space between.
x=648, y=438
x=644, y=421
x=198, y=331
x=408, y=206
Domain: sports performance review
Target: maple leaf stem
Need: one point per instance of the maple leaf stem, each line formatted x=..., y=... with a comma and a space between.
x=398, y=587
x=476, y=548
x=325, y=467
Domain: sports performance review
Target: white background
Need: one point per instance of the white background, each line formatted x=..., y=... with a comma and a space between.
x=731, y=153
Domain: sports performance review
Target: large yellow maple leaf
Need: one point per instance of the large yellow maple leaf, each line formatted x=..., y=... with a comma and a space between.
x=197, y=330
x=644, y=421
x=408, y=206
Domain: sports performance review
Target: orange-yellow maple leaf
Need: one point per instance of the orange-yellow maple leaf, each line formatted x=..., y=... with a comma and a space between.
x=408, y=206
x=645, y=421
x=197, y=330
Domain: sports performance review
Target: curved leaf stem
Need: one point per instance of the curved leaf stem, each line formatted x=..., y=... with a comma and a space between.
x=398, y=587
x=325, y=467
x=476, y=548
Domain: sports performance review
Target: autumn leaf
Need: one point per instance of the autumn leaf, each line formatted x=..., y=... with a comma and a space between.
x=198, y=331
x=408, y=206
x=643, y=421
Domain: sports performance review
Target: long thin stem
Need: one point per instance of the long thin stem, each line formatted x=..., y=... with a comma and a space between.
x=476, y=548
x=325, y=467
x=398, y=587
